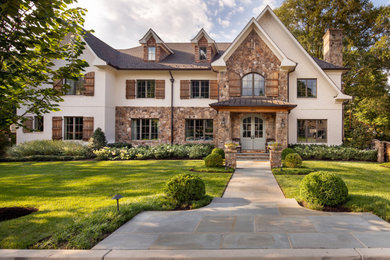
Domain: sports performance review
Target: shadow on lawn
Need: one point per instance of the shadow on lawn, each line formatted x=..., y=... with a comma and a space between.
x=368, y=203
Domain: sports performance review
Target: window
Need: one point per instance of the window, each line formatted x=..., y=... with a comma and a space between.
x=200, y=89
x=151, y=53
x=38, y=124
x=73, y=128
x=202, y=53
x=253, y=85
x=75, y=87
x=145, y=88
x=144, y=129
x=312, y=131
x=307, y=88
x=199, y=129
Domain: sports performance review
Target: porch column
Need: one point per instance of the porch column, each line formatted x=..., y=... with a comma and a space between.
x=281, y=128
x=224, y=133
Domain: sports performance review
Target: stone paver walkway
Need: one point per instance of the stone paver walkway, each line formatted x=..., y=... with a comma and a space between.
x=252, y=214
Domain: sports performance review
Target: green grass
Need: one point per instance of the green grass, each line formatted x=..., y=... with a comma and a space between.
x=386, y=164
x=74, y=198
x=292, y=171
x=212, y=169
x=368, y=185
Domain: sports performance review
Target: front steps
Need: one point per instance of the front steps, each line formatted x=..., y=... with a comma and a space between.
x=248, y=156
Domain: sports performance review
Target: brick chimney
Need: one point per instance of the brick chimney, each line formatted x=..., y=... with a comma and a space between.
x=333, y=46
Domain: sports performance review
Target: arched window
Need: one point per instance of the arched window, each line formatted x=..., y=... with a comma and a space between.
x=253, y=85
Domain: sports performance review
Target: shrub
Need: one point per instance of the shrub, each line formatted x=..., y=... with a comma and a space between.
x=184, y=188
x=293, y=160
x=98, y=139
x=320, y=189
x=219, y=151
x=287, y=151
x=119, y=145
x=199, y=151
x=213, y=160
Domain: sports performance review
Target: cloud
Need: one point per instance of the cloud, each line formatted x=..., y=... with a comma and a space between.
x=272, y=3
x=228, y=3
x=224, y=23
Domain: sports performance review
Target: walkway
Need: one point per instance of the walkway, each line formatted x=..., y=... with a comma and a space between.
x=252, y=214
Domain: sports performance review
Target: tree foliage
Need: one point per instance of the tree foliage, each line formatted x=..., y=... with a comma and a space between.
x=366, y=52
x=33, y=35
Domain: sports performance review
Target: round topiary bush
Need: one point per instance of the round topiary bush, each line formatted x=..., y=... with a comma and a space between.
x=219, y=151
x=213, y=160
x=323, y=189
x=286, y=152
x=293, y=160
x=185, y=188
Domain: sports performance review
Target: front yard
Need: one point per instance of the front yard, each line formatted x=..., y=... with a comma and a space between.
x=368, y=184
x=74, y=198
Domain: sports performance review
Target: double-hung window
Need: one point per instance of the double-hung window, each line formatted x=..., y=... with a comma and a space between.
x=199, y=129
x=203, y=53
x=144, y=129
x=146, y=88
x=152, y=53
x=312, y=131
x=307, y=88
x=200, y=89
x=73, y=128
x=75, y=87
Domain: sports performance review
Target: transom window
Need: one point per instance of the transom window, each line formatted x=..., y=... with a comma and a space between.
x=151, y=53
x=144, y=129
x=253, y=85
x=312, y=131
x=199, y=129
x=202, y=53
x=200, y=88
x=146, y=88
x=307, y=88
x=73, y=128
x=75, y=87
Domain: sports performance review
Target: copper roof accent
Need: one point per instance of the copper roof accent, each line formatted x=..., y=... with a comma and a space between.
x=252, y=102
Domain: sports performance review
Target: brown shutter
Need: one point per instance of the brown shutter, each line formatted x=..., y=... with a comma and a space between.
x=87, y=128
x=272, y=85
x=56, y=129
x=213, y=89
x=234, y=84
x=57, y=85
x=89, y=84
x=160, y=89
x=28, y=124
x=130, y=89
x=184, y=89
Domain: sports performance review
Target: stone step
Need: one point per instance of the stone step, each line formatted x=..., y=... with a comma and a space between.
x=253, y=154
x=252, y=159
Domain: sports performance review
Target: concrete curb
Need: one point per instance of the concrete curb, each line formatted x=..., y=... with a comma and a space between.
x=259, y=254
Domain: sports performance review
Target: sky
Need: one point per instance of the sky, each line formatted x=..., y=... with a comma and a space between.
x=121, y=23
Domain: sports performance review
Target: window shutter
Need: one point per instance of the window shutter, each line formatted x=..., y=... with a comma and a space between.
x=28, y=124
x=160, y=89
x=213, y=89
x=184, y=89
x=130, y=89
x=234, y=84
x=87, y=128
x=56, y=128
x=272, y=85
x=57, y=85
x=89, y=84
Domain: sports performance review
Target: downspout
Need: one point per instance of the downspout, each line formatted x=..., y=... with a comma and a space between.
x=172, y=81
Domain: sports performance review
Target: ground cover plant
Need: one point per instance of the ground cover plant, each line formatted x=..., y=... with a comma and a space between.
x=75, y=209
x=367, y=182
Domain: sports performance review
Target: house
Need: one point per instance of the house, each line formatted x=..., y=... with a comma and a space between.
x=262, y=87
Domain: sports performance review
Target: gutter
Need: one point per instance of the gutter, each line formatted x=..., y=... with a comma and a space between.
x=172, y=81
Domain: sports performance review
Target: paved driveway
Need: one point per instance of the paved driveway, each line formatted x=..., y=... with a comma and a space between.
x=252, y=214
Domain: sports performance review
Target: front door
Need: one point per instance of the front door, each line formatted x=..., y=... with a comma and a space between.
x=252, y=133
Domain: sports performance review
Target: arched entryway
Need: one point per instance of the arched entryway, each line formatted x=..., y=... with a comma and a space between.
x=253, y=132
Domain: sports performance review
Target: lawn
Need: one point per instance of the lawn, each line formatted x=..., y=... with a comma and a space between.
x=74, y=198
x=368, y=184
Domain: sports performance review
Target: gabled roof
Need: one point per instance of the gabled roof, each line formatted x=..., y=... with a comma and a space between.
x=201, y=33
x=157, y=38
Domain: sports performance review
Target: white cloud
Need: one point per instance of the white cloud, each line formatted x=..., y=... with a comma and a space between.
x=223, y=23
x=272, y=3
x=228, y=3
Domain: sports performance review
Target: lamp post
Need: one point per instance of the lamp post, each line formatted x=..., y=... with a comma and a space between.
x=117, y=197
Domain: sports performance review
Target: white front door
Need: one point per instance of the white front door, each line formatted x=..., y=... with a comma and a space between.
x=252, y=133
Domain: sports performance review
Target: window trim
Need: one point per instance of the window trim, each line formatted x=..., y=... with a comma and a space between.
x=194, y=131
x=154, y=53
x=200, y=88
x=253, y=85
x=133, y=123
x=74, y=128
x=306, y=132
x=146, y=88
x=200, y=56
x=306, y=79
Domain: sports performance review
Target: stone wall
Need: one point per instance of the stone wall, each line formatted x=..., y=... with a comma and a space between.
x=281, y=132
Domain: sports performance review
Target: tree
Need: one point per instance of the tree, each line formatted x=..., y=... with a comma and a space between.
x=98, y=140
x=33, y=35
x=366, y=51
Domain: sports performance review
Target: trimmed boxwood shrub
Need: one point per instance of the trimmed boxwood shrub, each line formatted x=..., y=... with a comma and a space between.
x=320, y=189
x=219, y=151
x=293, y=160
x=287, y=151
x=183, y=189
x=213, y=160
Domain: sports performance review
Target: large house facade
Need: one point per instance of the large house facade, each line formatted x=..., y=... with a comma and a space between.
x=262, y=87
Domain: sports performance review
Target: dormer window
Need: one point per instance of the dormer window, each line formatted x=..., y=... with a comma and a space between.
x=151, y=53
x=202, y=53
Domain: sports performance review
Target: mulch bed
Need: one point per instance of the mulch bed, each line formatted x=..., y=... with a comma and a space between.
x=328, y=209
x=15, y=212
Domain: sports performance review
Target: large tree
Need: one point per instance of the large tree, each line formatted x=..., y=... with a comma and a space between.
x=35, y=33
x=366, y=51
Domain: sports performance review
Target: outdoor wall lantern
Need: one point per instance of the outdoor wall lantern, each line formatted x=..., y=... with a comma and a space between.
x=282, y=124
x=223, y=122
x=117, y=197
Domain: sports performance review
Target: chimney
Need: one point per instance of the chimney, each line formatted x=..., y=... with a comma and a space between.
x=333, y=46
